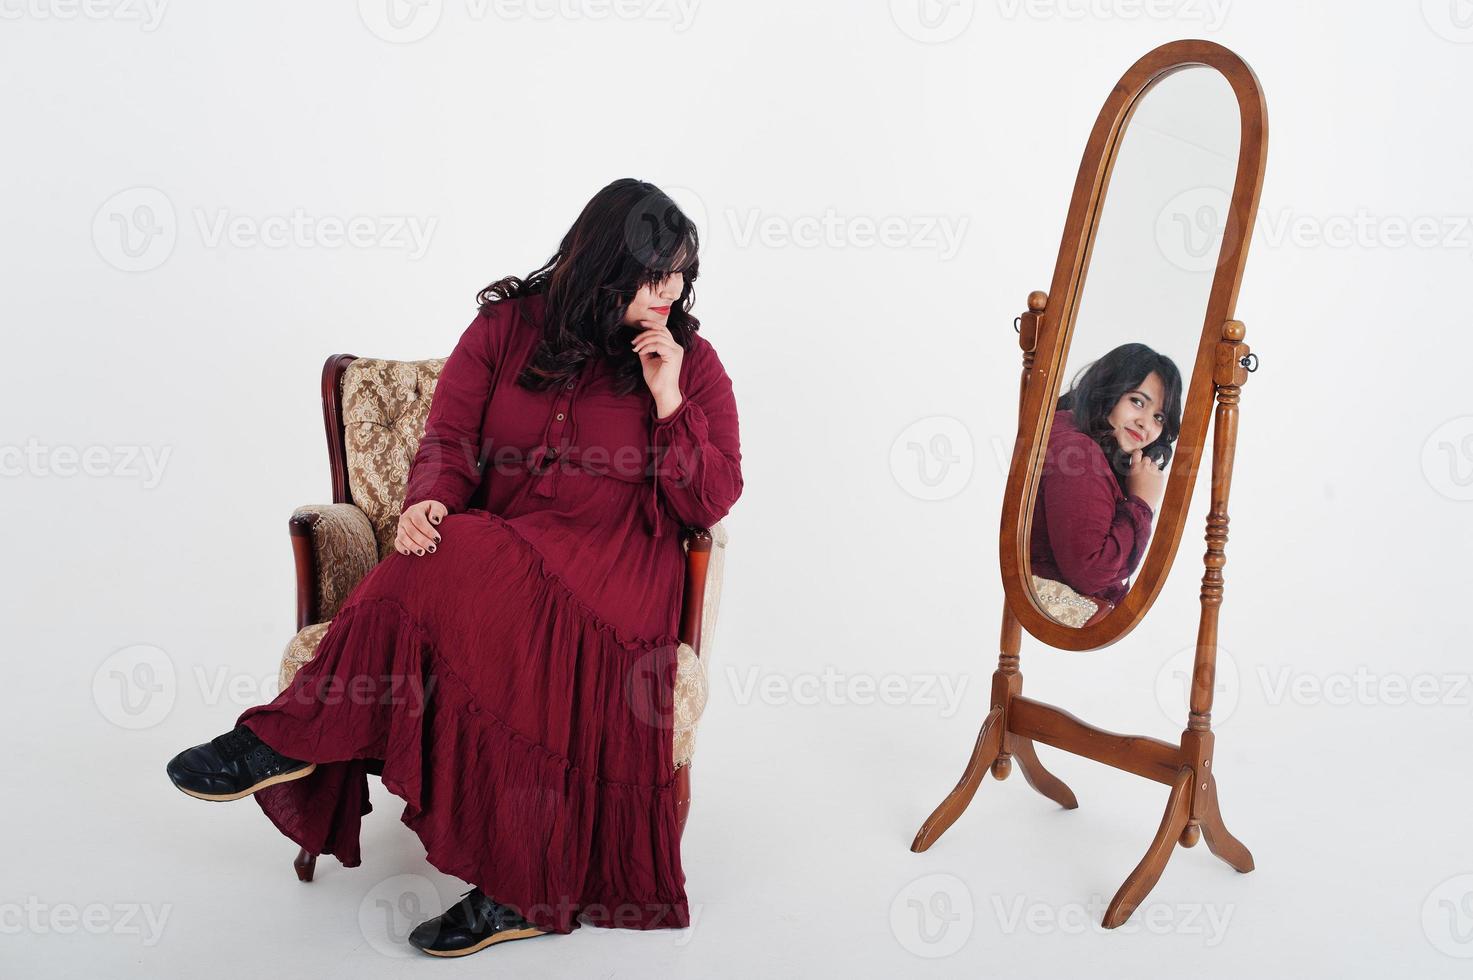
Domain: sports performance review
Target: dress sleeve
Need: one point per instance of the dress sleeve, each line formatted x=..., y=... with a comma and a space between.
x=1097, y=539
x=447, y=465
x=697, y=449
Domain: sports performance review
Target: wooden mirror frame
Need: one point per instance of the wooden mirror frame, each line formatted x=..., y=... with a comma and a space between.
x=1014, y=723
x=1046, y=330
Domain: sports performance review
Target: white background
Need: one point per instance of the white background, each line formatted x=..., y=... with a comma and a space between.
x=1347, y=562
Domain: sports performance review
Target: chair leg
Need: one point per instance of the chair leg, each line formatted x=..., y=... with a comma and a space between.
x=305, y=864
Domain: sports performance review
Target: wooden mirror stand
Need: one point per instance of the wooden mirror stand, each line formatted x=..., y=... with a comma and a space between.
x=1014, y=722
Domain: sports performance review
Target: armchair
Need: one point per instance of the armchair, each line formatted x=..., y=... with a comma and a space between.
x=375, y=412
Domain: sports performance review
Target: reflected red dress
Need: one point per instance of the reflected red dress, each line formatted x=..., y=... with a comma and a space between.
x=516, y=685
x=1086, y=532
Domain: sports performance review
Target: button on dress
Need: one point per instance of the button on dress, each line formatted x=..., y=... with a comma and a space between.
x=515, y=687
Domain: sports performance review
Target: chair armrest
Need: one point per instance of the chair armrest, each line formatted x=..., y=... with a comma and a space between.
x=705, y=552
x=704, y=566
x=334, y=547
x=692, y=604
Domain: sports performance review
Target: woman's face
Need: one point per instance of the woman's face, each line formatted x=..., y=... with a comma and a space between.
x=651, y=305
x=1136, y=418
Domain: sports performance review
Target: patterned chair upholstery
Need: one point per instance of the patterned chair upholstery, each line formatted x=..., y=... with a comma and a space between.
x=384, y=405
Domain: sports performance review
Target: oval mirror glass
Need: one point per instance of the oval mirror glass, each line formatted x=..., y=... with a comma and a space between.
x=1149, y=272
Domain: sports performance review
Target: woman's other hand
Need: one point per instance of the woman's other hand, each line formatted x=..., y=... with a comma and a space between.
x=1146, y=479
x=417, y=534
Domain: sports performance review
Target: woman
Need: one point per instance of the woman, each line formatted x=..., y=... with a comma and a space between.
x=1104, y=472
x=511, y=667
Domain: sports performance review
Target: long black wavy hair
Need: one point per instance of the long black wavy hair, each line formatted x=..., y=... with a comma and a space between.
x=628, y=235
x=1100, y=384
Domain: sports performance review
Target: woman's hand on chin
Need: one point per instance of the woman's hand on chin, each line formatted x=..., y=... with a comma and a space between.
x=1146, y=479
x=660, y=357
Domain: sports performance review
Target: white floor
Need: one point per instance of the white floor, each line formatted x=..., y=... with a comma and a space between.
x=797, y=848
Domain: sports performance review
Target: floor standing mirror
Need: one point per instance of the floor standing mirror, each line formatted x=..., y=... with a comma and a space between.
x=1160, y=219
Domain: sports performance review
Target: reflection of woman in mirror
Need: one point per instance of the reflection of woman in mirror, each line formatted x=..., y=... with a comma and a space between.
x=1104, y=471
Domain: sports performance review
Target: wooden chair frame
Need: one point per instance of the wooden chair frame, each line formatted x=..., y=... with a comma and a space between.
x=1013, y=722
x=302, y=529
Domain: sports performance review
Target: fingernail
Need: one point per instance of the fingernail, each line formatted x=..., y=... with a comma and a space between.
x=419, y=551
x=432, y=547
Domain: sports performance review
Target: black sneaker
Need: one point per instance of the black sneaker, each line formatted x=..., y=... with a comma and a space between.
x=233, y=765
x=471, y=924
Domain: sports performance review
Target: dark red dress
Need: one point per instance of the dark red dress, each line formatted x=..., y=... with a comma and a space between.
x=1086, y=532
x=516, y=685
